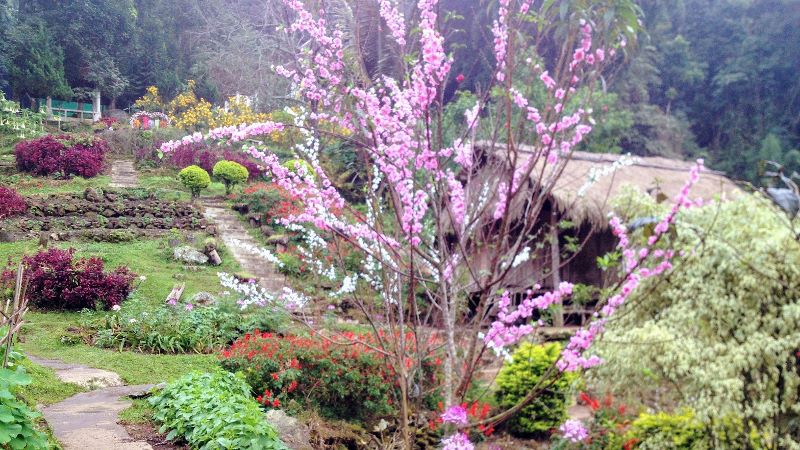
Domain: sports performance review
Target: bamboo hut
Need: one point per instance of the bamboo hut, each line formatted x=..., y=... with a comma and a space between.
x=582, y=193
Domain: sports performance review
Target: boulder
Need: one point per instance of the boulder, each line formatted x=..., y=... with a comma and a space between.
x=203, y=299
x=92, y=195
x=292, y=432
x=189, y=255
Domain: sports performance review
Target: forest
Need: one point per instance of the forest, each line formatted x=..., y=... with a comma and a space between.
x=710, y=78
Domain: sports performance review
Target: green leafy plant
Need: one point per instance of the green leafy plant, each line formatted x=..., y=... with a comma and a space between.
x=295, y=164
x=681, y=431
x=213, y=411
x=231, y=173
x=195, y=179
x=176, y=328
x=531, y=368
x=17, y=429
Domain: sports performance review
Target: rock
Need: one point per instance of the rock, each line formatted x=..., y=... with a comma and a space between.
x=213, y=256
x=203, y=298
x=6, y=236
x=292, y=432
x=267, y=230
x=110, y=196
x=92, y=195
x=281, y=239
x=189, y=255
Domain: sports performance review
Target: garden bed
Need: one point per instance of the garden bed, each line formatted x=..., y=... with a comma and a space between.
x=109, y=209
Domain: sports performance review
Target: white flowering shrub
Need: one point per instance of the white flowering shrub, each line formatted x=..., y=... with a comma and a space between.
x=721, y=332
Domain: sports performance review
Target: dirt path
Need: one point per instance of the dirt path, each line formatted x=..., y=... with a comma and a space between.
x=230, y=229
x=88, y=421
x=123, y=174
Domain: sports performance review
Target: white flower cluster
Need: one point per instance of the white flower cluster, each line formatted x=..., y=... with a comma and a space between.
x=596, y=173
x=260, y=251
x=292, y=299
x=348, y=286
x=250, y=293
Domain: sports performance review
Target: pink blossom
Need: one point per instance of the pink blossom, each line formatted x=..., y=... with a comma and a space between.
x=456, y=415
x=458, y=441
x=574, y=430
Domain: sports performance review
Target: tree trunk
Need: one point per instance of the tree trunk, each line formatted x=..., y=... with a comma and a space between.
x=555, y=267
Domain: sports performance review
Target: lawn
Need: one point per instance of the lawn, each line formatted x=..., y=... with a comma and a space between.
x=149, y=258
x=42, y=333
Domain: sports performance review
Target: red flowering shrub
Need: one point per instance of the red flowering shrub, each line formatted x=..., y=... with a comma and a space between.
x=342, y=381
x=109, y=122
x=64, y=155
x=57, y=280
x=11, y=203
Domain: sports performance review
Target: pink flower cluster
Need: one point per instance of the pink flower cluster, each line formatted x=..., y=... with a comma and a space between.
x=505, y=330
x=394, y=20
x=572, y=357
x=456, y=414
x=458, y=441
x=574, y=430
x=235, y=133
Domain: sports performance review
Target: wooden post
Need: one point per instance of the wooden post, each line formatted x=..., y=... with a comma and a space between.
x=49, y=107
x=96, y=110
x=555, y=267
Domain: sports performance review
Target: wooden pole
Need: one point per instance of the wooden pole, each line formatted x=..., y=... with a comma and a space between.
x=555, y=267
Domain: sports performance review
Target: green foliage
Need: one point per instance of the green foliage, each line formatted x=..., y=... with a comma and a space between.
x=17, y=122
x=231, y=173
x=295, y=164
x=663, y=431
x=17, y=429
x=213, y=411
x=174, y=329
x=533, y=367
x=35, y=61
x=195, y=179
x=723, y=326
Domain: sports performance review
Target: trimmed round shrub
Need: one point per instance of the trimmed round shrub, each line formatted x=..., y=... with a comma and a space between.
x=64, y=155
x=517, y=378
x=57, y=280
x=11, y=203
x=195, y=179
x=230, y=173
x=295, y=164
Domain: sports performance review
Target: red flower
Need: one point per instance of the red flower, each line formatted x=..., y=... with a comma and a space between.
x=591, y=402
x=460, y=78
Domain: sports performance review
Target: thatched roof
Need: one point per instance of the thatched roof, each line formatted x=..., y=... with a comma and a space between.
x=648, y=174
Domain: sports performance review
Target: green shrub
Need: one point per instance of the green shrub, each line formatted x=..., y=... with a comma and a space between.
x=681, y=431
x=295, y=164
x=231, y=173
x=17, y=428
x=174, y=328
x=213, y=411
x=195, y=179
x=518, y=377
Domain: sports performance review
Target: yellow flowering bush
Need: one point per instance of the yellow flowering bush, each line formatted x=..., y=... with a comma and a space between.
x=150, y=101
x=236, y=112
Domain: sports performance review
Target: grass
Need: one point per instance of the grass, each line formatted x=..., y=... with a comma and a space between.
x=42, y=337
x=139, y=412
x=29, y=185
x=42, y=332
x=46, y=388
x=151, y=258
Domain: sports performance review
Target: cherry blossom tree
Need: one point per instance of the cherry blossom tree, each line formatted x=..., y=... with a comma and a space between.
x=433, y=203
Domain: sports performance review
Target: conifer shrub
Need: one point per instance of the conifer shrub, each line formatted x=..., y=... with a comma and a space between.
x=230, y=173
x=195, y=179
x=526, y=371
